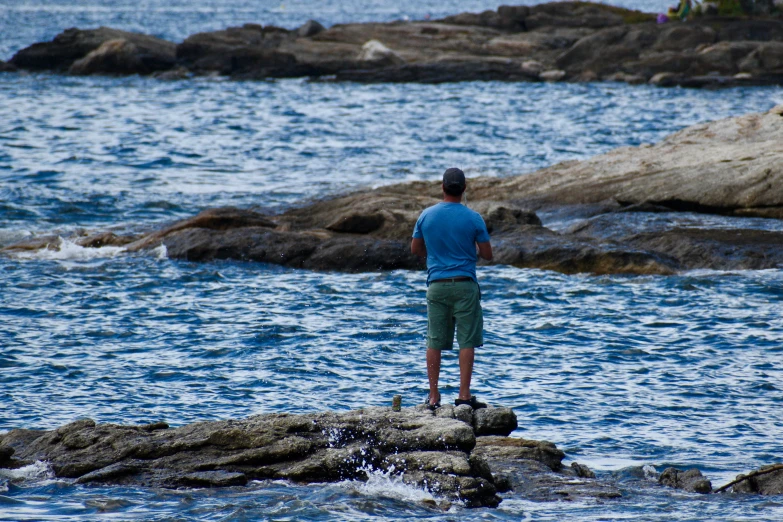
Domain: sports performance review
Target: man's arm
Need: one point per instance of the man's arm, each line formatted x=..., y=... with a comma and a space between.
x=485, y=250
x=418, y=247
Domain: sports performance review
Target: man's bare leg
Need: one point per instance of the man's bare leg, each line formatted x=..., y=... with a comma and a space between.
x=433, y=374
x=466, y=356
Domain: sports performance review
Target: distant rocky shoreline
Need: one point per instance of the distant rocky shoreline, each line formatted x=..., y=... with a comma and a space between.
x=455, y=453
x=681, y=204
x=558, y=41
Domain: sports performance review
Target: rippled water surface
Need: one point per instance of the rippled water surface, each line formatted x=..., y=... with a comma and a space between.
x=626, y=374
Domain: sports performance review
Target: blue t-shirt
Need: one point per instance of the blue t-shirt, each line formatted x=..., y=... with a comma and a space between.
x=450, y=232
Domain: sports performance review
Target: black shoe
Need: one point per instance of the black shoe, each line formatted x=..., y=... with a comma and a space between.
x=432, y=407
x=472, y=402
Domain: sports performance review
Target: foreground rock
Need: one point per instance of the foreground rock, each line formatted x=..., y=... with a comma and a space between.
x=558, y=41
x=681, y=204
x=434, y=451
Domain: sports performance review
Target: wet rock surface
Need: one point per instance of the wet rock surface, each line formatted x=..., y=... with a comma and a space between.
x=655, y=209
x=691, y=480
x=570, y=41
x=441, y=452
x=767, y=480
x=437, y=451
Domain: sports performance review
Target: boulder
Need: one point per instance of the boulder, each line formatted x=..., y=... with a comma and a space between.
x=357, y=223
x=505, y=448
x=767, y=480
x=309, y=29
x=7, y=67
x=120, y=57
x=494, y=421
x=582, y=471
x=513, y=17
x=6, y=452
x=588, y=51
x=679, y=37
x=221, y=51
x=505, y=217
x=654, y=63
x=153, y=54
x=766, y=58
x=725, y=57
x=691, y=480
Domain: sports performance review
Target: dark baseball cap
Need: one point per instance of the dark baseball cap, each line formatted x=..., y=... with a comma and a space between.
x=454, y=178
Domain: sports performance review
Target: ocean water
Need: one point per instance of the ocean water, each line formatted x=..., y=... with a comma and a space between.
x=626, y=374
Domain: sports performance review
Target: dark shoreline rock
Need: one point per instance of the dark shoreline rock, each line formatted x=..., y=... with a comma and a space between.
x=570, y=41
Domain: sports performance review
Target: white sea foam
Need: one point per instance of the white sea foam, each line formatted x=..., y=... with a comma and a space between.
x=389, y=485
x=38, y=470
x=650, y=473
x=160, y=252
x=66, y=250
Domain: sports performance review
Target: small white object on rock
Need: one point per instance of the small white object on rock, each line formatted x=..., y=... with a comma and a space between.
x=532, y=67
x=554, y=75
x=743, y=76
x=375, y=51
x=662, y=78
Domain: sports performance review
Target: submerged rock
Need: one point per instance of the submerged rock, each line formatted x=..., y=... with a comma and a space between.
x=767, y=480
x=691, y=480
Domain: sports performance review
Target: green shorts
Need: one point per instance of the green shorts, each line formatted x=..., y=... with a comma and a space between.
x=449, y=303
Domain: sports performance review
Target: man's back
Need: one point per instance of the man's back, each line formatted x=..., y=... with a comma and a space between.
x=451, y=231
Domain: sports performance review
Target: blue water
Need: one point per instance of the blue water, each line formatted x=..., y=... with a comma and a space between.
x=626, y=374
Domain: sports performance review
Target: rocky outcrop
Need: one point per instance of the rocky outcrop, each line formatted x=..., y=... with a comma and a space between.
x=691, y=480
x=633, y=210
x=145, y=53
x=570, y=41
x=426, y=449
x=767, y=480
x=730, y=167
x=121, y=57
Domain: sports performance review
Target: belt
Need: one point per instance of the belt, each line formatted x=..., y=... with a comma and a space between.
x=452, y=280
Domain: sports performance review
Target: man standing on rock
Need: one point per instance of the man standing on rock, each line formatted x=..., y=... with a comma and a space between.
x=452, y=237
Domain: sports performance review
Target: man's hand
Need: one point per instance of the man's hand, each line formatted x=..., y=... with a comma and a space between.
x=418, y=247
x=485, y=250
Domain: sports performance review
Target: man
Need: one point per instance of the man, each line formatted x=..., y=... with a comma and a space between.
x=451, y=237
